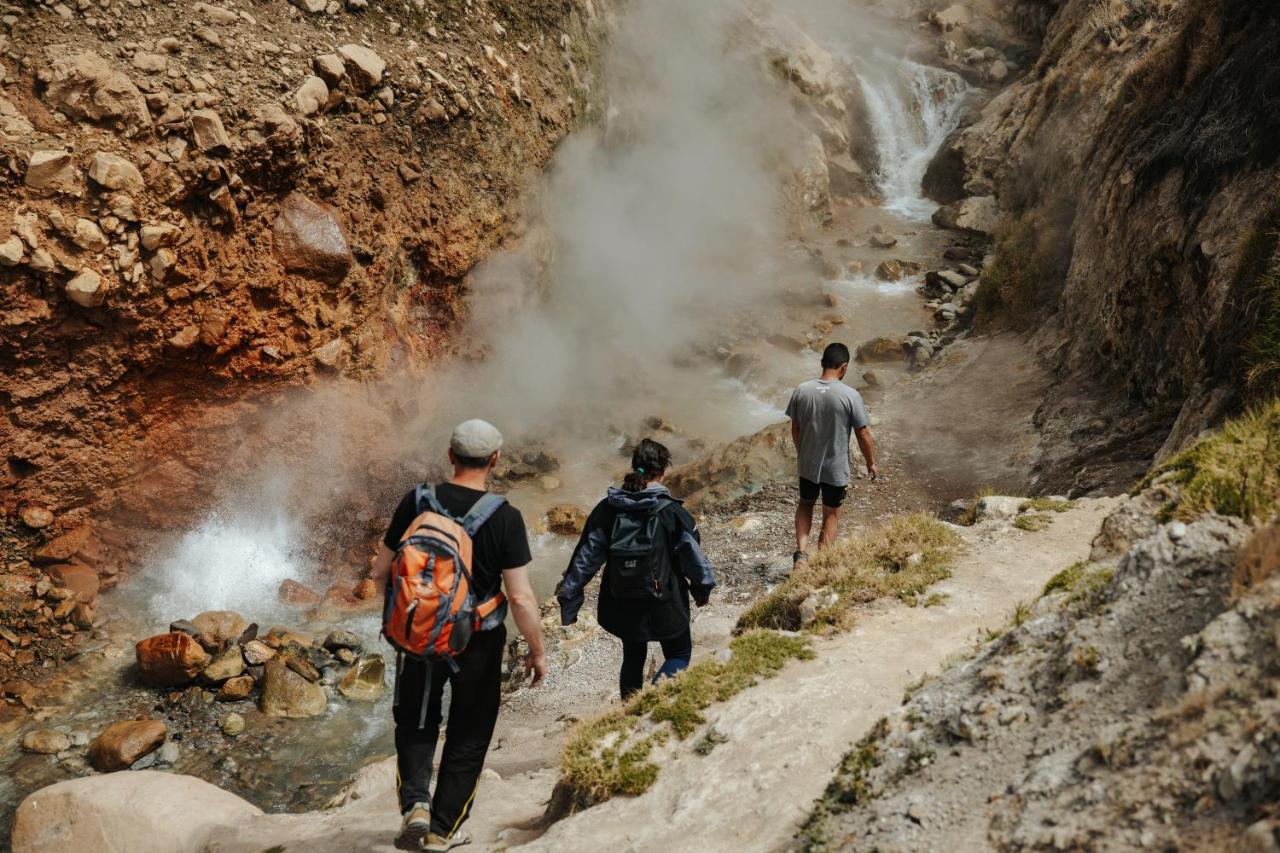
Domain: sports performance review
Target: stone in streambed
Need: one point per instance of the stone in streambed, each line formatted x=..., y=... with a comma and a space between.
x=287, y=694
x=169, y=660
x=45, y=741
x=365, y=681
x=880, y=350
x=978, y=215
x=220, y=626
x=227, y=664
x=235, y=689
x=566, y=519
x=340, y=639
x=121, y=744
x=232, y=724
x=257, y=653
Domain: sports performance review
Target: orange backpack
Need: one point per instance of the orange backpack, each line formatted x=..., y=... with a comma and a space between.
x=431, y=609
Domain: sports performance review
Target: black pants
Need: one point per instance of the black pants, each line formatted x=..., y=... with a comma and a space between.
x=473, y=712
x=677, y=650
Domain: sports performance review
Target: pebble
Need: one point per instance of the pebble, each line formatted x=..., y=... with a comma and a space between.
x=232, y=724
x=1177, y=530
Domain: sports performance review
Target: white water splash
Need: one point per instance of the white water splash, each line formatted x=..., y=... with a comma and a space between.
x=912, y=108
x=227, y=564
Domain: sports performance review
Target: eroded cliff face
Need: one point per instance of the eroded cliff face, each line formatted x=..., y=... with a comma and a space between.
x=203, y=201
x=1133, y=162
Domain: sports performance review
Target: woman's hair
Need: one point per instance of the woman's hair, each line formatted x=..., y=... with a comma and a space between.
x=648, y=461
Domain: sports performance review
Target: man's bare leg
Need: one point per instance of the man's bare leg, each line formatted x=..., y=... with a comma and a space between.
x=830, y=523
x=804, y=524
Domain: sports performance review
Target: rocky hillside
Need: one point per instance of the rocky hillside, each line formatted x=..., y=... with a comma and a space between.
x=203, y=199
x=1134, y=165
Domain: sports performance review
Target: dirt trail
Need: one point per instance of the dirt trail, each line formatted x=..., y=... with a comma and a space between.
x=785, y=737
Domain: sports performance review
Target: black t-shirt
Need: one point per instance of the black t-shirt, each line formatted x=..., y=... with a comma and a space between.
x=499, y=545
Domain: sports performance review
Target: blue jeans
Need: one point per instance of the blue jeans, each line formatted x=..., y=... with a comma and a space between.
x=677, y=650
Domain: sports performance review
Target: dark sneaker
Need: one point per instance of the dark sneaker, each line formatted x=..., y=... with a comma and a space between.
x=416, y=827
x=440, y=844
x=799, y=557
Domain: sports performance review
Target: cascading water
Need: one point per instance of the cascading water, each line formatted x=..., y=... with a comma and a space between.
x=912, y=108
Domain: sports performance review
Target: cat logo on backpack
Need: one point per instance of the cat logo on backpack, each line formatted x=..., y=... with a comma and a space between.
x=431, y=610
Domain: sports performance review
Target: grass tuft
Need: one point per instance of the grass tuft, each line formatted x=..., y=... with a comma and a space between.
x=1067, y=579
x=1235, y=471
x=1032, y=521
x=610, y=755
x=1047, y=505
x=902, y=558
x=1259, y=560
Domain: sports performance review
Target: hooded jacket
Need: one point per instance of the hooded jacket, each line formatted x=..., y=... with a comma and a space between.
x=638, y=620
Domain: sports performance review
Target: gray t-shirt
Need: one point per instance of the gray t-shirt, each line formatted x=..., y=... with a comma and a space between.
x=827, y=412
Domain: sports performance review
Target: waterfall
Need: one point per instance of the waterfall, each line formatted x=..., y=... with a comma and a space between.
x=912, y=108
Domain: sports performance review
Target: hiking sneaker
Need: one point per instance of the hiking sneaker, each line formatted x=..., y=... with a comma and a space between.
x=440, y=844
x=416, y=827
x=799, y=557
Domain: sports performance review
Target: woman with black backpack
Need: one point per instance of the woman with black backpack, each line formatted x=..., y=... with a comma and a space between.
x=649, y=547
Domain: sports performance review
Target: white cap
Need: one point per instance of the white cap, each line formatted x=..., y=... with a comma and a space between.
x=475, y=439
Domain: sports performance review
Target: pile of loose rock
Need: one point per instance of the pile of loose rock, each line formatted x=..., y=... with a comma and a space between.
x=223, y=654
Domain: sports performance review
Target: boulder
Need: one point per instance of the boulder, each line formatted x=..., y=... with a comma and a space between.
x=287, y=694
x=311, y=96
x=151, y=63
x=566, y=519
x=330, y=68
x=998, y=507
x=978, y=214
x=363, y=65
x=311, y=7
x=115, y=173
x=220, y=627
x=890, y=270
x=883, y=241
x=103, y=813
x=226, y=664
x=123, y=743
x=45, y=741
x=365, y=681
x=78, y=578
x=340, y=639
x=86, y=86
x=85, y=289
x=169, y=660
x=880, y=350
x=301, y=666
x=207, y=131
x=51, y=170
x=292, y=592
x=257, y=652
x=310, y=241
x=952, y=17
x=77, y=541
x=235, y=689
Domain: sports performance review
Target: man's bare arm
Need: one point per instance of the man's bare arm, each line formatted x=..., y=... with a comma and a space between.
x=795, y=433
x=524, y=609
x=868, y=448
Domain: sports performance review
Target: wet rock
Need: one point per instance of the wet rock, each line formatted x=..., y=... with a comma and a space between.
x=36, y=517
x=45, y=741
x=883, y=241
x=168, y=660
x=207, y=131
x=302, y=667
x=257, y=652
x=86, y=86
x=281, y=638
x=287, y=694
x=232, y=724
x=365, y=67
x=220, y=627
x=85, y=289
x=235, y=689
x=227, y=664
x=78, y=578
x=365, y=681
x=566, y=519
x=114, y=172
x=953, y=17
x=978, y=215
x=880, y=350
x=292, y=592
x=311, y=96
x=51, y=170
x=340, y=639
x=121, y=744
x=889, y=270
x=310, y=241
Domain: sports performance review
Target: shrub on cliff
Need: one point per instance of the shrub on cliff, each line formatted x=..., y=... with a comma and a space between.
x=1024, y=276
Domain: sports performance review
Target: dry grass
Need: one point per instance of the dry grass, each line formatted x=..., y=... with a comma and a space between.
x=1235, y=471
x=1259, y=560
x=902, y=558
x=1024, y=276
x=611, y=755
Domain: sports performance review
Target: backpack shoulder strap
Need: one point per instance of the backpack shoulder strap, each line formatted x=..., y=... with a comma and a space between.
x=481, y=512
x=426, y=499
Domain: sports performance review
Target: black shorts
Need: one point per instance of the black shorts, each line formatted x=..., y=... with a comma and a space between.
x=832, y=496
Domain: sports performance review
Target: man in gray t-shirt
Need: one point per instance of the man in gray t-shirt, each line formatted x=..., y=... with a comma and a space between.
x=824, y=412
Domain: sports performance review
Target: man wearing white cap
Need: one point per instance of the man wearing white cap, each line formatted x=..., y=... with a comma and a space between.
x=500, y=553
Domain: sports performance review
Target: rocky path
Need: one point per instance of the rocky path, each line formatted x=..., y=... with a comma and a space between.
x=785, y=737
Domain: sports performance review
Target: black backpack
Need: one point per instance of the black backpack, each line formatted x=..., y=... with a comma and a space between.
x=639, y=565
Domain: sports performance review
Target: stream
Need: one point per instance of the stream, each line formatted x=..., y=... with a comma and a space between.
x=237, y=559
